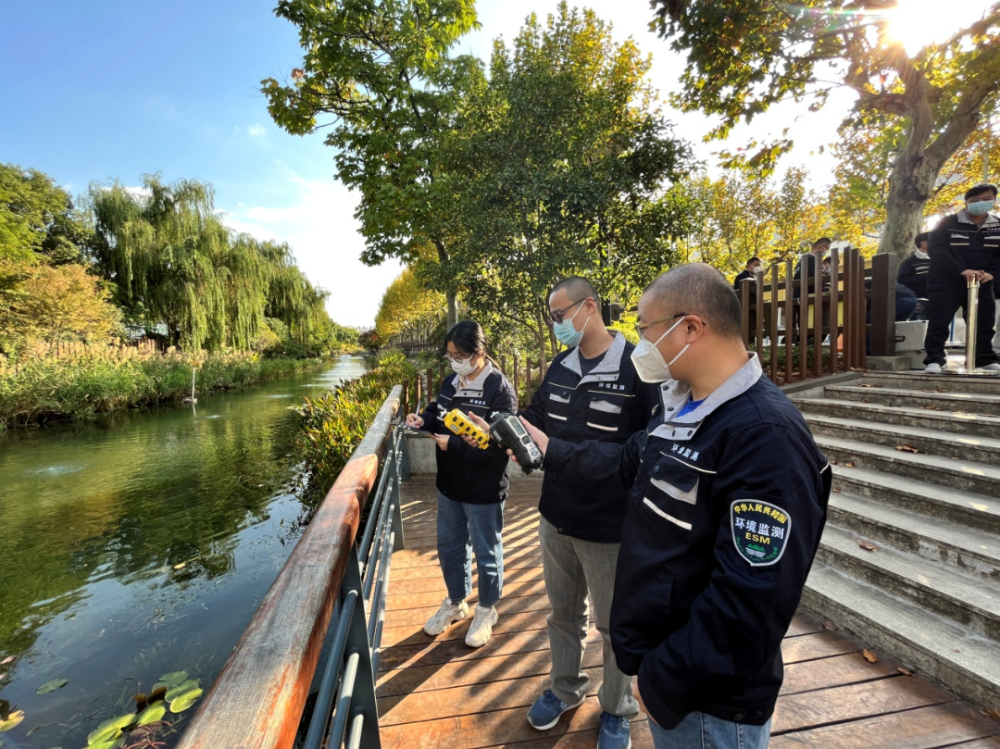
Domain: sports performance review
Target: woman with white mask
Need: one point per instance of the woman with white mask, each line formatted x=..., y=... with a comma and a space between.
x=472, y=484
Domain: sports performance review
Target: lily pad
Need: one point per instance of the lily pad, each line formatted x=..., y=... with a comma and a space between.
x=181, y=689
x=114, y=743
x=109, y=729
x=158, y=693
x=185, y=701
x=152, y=714
x=173, y=678
x=51, y=686
x=13, y=720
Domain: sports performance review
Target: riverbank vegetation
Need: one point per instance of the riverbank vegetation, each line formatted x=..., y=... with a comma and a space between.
x=110, y=303
x=334, y=424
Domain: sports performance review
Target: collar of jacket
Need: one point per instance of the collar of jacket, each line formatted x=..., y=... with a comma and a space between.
x=474, y=387
x=965, y=218
x=674, y=395
x=607, y=369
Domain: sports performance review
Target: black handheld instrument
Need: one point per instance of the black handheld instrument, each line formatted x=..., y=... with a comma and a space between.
x=508, y=432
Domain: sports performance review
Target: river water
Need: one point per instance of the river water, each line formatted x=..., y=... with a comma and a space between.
x=140, y=545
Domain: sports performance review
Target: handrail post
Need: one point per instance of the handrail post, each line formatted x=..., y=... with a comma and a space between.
x=971, y=324
x=401, y=464
x=883, y=325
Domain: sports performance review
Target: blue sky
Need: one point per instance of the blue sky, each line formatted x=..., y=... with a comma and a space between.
x=113, y=89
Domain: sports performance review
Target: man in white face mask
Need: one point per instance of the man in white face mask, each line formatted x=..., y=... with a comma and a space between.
x=914, y=272
x=725, y=513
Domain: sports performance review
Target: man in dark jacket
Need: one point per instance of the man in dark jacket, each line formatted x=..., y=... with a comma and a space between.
x=591, y=392
x=914, y=272
x=728, y=502
x=963, y=246
x=753, y=266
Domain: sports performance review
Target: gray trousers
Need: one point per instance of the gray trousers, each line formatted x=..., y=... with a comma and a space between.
x=572, y=568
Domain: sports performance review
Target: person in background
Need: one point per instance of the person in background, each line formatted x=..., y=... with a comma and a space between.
x=590, y=392
x=754, y=266
x=728, y=501
x=963, y=246
x=808, y=261
x=913, y=273
x=826, y=267
x=472, y=485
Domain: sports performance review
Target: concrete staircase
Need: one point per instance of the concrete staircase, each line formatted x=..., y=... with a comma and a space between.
x=928, y=593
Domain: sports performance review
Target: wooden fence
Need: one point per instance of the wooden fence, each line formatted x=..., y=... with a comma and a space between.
x=813, y=326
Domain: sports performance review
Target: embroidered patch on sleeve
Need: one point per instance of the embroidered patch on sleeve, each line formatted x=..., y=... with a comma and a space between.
x=760, y=531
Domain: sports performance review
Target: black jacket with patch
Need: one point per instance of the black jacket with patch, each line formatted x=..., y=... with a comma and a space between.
x=466, y=473
x=957, y=244
x=608, y=405
x=913, y=274
x=724, y=519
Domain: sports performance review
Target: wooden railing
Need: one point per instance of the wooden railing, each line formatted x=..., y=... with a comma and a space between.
x=824, y=324
x=257, y=700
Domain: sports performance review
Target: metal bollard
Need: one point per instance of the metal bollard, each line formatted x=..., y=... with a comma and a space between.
x=971, y=318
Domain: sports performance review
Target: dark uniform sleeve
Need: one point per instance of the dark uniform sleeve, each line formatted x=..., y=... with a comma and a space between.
x=535, y=412
x=946, y=263
x=736, y=625
x=595, y=460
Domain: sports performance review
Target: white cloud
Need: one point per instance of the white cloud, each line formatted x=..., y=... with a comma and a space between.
x=321, y=229
x=256, y=131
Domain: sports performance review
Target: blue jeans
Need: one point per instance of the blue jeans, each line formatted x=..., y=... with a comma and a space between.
x=701, y=731
x=461, y=529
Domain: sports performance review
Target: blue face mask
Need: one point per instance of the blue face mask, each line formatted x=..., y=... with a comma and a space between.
x=566, y=334
x=979, y=207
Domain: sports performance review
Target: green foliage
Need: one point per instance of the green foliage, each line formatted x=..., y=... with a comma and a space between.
x=97, y=379
x=37, y=219
x=380, y=74
x=334, y=424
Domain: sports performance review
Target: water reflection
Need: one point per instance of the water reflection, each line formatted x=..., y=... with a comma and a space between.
x=139, y=545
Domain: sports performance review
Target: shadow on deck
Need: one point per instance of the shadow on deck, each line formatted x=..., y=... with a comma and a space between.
x=439, y=693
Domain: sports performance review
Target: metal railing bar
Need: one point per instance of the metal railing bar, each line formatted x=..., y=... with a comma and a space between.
x=371, y=571
x=324, y=700
x=357, y=726
x=366, y=540
x=376, y=601
x=344, y=700
x=378, y=613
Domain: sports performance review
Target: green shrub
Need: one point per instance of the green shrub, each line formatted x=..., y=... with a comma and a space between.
x=335, y=423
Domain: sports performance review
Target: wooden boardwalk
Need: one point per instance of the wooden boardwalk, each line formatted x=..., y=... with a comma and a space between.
x=439, y=693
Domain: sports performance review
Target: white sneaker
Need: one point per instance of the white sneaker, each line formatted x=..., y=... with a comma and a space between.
x=992, y=367
x=448, y=614
x=932, y=369
x=482, y=627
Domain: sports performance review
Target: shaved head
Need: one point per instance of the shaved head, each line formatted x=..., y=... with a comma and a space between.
x=698, y=289
x=577, y=288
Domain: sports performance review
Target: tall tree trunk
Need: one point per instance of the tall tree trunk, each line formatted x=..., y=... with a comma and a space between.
x=452, y=310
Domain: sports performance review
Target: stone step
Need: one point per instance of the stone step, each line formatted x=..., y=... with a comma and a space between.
x=944, y=444
x=963, y=402
x=911, y=416
x=954, y=546
x=949, y=505
x=970, y=601
x=986, y=384
x=954, y=474
x=922, y=641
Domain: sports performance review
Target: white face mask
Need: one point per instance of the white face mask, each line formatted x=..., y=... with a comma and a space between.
x=463, y=367
x=648, y=360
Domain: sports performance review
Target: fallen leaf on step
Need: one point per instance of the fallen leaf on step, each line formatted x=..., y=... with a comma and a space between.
x=867, y=545
x=904, y=671
x=907, y=448
x=834, y=463
x=869, y=656
x=867, y=386
x=848, y=465
x=836, y=490
x=957, y=650
x=995, y=714
x=932, y=408
x=829, y=626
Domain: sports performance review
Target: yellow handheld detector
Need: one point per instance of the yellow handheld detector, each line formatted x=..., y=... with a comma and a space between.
x=459, y=423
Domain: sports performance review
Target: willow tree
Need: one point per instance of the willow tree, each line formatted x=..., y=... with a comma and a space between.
x=172, y=260
x=743, y=56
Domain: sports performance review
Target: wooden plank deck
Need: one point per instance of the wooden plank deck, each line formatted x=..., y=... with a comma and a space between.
x=437, y=693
